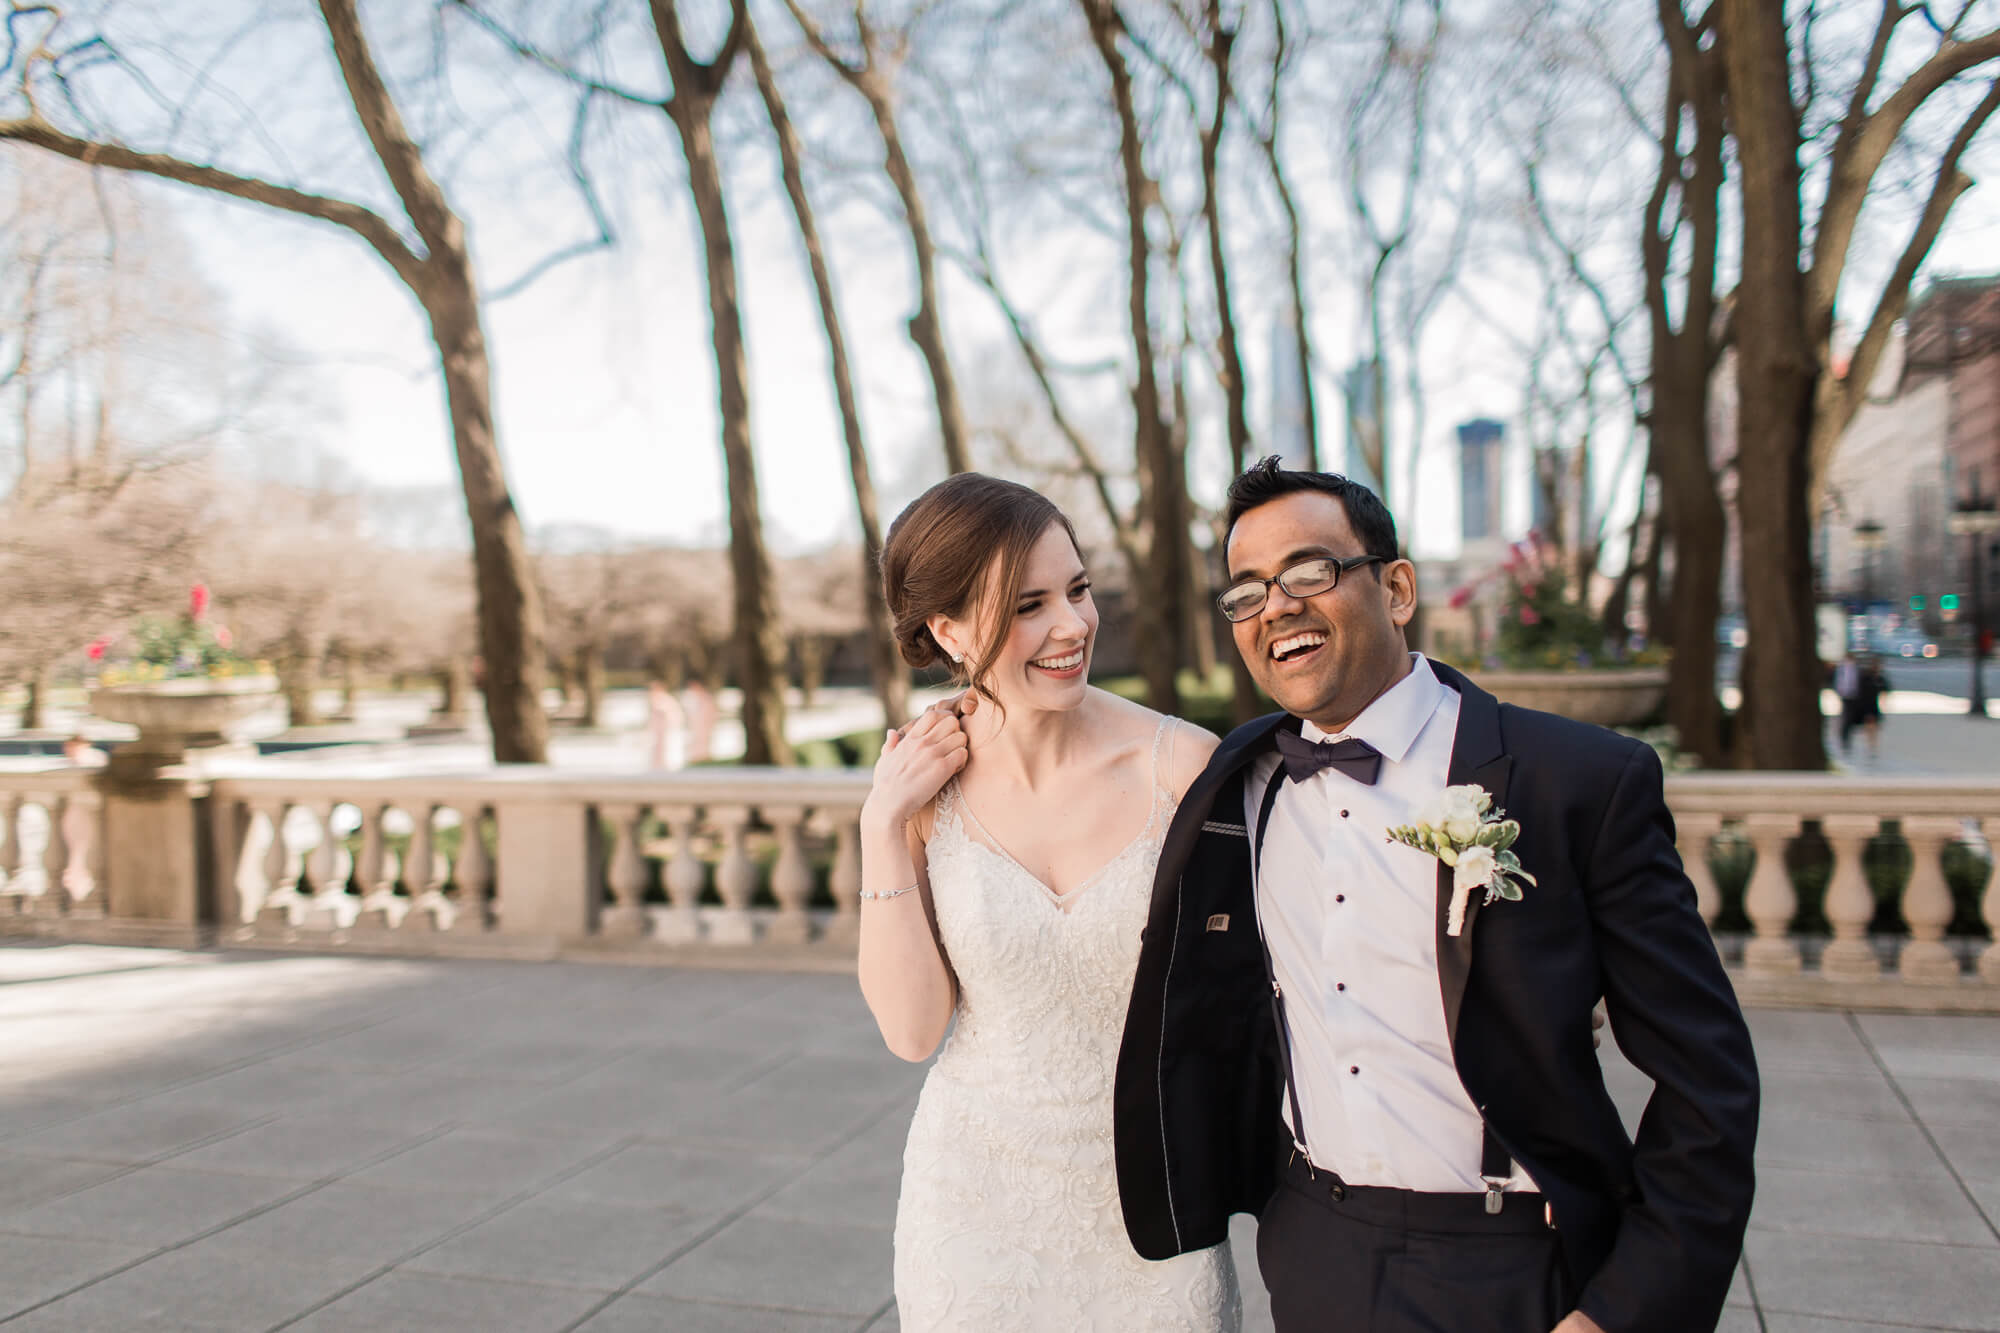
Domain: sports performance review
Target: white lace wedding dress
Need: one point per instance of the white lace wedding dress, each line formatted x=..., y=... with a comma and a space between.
x=1009, y=1218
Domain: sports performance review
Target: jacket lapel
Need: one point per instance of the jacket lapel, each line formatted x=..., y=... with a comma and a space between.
x=1478, y=756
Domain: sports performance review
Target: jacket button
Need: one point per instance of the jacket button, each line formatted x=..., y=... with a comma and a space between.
x=1338, y=1191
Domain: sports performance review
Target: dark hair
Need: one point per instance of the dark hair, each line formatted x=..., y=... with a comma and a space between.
x=1268, y=480
x=937, y=559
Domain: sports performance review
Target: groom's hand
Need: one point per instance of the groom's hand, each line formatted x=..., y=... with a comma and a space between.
x=1578, y=1322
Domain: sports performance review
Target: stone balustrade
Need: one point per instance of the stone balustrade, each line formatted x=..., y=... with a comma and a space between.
x=51, y=844
x=1773, y=812
x=539, y=860
x=715, y=864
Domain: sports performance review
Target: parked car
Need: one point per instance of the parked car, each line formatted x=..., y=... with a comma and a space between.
x=1903, y=643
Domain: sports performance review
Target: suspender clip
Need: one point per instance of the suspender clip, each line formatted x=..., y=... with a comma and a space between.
x=1494, y=1185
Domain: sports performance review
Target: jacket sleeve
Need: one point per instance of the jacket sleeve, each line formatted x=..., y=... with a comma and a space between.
x=1674, y=1015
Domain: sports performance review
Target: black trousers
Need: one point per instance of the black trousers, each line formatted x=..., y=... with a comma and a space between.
x=1347, y=1259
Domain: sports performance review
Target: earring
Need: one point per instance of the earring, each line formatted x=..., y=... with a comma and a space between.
x=958, y=657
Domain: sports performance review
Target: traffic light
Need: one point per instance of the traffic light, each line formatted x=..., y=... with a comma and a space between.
x=1948, y=602
x=1917, y=602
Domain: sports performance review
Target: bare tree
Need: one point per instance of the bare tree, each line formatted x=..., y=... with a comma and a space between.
x=892, y=682
x=438, y=272
x=1162, y=467
x=1795, y=402
x=872, y=73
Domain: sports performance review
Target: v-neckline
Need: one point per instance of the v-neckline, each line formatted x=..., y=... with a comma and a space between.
x=1060, y=901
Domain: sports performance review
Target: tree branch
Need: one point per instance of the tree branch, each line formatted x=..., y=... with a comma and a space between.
x=562, y=69
x=1949, y=184
x=364, y=222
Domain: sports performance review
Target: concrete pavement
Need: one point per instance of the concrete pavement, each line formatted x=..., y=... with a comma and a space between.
x=199, y=1142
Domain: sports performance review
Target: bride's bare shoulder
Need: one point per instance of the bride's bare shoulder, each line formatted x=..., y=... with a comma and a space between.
x=1184, y=747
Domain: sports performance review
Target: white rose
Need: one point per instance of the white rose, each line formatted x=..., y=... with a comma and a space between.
x=1436, y=811
x=1475, y=869
x=1461, y=816
x=1480, y=800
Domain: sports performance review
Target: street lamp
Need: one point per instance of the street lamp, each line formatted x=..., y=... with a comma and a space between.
x=1975, y=518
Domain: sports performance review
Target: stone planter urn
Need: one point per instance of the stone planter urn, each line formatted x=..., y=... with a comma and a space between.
x=1607, y=696
x=180, y=720
x=156, y=831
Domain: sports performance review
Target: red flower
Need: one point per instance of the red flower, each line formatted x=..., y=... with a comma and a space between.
x=1461, y=597
x=1528, y=616
x=198, y=600
x=1531, y=590
x=222, y=637
x=95, y=652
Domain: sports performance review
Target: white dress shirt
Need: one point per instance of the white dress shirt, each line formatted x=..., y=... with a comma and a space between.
x=1351, y=921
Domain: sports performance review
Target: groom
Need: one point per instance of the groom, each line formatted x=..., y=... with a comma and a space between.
x=1416, y=1112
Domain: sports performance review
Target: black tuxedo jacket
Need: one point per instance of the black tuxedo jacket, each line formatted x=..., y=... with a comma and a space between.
x=1651, y=1230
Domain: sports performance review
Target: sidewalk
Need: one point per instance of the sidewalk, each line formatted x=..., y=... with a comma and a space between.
x=197, y=1142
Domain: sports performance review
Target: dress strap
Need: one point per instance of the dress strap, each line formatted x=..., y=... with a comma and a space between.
x=1161, y=736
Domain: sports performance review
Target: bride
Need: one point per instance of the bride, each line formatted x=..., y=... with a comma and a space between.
x=1007, y=868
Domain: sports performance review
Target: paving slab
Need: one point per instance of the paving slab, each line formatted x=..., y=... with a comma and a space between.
x=154, y=1206
x=650, y=1314
x=564, y=1242
x=202, y=1287
x=410, y=1302
x=219, y=1141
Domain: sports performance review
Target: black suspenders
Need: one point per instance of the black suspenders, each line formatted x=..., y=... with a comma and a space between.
x=1496, y=1165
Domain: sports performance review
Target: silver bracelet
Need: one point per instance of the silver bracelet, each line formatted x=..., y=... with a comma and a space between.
x=867, y=896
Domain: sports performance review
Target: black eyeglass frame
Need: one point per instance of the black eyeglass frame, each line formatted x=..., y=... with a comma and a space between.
x=1340, y=568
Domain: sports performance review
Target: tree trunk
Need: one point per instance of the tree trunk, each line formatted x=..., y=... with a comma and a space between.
x=1779, y=726
x=590, y=683
x=455, y=686
x=1160, y=597
x=1235, y=392
x=812, y=653
x=511, y=630
x=885, y=664
x=1693, y=515
x=927, y=324
x=298, y=676
x=757, y=641
x=34, y=707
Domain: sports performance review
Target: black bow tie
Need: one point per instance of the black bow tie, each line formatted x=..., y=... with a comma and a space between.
x=1303, y=758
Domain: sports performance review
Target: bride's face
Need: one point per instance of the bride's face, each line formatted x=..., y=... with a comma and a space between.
x=1044, y=662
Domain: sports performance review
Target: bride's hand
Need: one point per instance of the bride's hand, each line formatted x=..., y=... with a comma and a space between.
x=916, y=762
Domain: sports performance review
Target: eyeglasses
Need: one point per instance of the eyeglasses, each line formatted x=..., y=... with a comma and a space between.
x=1308, y=578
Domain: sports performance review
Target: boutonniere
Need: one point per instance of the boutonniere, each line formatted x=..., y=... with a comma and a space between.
x=1461, y=828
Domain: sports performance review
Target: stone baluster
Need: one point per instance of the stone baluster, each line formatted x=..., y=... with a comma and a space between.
x=86, y=869
x=1989, y=906
x=1927, y=905
x=372, y=871
x=735, y=878
x=420, y=871
x=322, y=861
x=1850, y=904
x=791, y=876
x=10, y=844
x=1695, y=832
x=844, y=881
x=473, y=872
x=1770, y=901
x=685, y=877
x=274, y=910
x=55, y=857
x=625, y=874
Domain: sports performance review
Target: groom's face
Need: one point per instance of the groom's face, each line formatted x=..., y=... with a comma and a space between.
x=1360, y=620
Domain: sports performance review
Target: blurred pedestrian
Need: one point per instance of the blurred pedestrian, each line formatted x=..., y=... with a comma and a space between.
x=701, y=713
x=78, y=752
x=1860, y=682
x=666, y=728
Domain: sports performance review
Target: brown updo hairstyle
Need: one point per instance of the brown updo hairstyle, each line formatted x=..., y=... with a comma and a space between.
x=966, y=532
